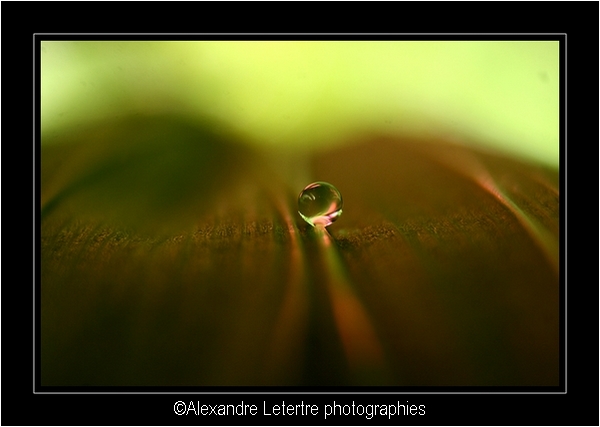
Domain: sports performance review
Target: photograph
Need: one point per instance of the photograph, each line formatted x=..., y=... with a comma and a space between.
x=300, y=215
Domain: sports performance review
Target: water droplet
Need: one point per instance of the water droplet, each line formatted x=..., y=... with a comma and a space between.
x=320, y=203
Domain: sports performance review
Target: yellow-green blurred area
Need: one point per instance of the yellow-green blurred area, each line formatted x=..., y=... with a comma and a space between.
x=503, y=95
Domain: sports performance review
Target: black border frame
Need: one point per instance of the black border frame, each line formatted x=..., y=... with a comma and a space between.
x=534, y=409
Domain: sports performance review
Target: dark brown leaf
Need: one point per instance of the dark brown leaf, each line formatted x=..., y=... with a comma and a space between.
x=172, y=254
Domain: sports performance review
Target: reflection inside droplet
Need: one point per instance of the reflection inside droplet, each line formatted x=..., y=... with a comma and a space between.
x=320, y=203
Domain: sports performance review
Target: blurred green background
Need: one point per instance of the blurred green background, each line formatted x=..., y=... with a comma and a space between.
x=317, y=94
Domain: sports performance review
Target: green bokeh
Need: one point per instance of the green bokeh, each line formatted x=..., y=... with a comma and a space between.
x=315, y=95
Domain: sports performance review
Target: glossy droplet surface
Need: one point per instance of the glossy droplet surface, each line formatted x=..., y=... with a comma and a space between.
x=320, y=203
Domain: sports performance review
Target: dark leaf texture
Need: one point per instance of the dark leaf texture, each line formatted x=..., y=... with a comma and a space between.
x=172, y=254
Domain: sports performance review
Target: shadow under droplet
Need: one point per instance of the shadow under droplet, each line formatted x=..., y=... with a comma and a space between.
x=362, y=351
